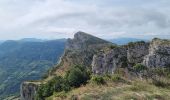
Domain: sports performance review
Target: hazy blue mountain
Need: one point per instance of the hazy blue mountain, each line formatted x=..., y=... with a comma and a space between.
x=31, y=40
x=122, y=41
x=1, y=41
x=24, y=60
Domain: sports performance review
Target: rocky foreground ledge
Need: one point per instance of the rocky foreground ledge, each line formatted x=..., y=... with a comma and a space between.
x=28, y=90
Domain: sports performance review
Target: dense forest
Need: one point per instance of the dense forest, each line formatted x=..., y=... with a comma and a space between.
x=26, y=60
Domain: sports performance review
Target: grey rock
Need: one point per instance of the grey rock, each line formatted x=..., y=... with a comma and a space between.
x=108, y=62
x=137, y=51
x=80, y=49
x=159, y=54
x=28, y=90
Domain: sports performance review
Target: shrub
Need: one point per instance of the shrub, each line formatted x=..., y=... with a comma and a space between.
x=62, y=95
x=161, y=83
x=113, y=46
x=116, y=78
x=77, y=75
x=56, y=84
x=97, y=80
x=134, y=43
x=107, y=76
x=59, y=84
x=139, y=67
x=44, y=90
x=161, y=72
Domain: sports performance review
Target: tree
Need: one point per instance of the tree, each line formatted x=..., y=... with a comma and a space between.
x=77, y=75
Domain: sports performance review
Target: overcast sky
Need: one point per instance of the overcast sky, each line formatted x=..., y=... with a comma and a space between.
x=104, y=18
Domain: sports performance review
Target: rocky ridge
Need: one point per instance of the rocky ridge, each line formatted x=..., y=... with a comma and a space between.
x=80, y=51
x=105, y=57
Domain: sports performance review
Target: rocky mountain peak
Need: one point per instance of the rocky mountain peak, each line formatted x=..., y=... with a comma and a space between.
x=82, y=35
x=83, y=40
x=80, y=50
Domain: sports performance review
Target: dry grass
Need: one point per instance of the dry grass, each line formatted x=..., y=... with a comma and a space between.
x=136, y=90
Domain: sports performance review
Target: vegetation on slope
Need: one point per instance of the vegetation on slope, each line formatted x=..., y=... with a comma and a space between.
x=21, y=61
x=75, y=77
x=80, y=84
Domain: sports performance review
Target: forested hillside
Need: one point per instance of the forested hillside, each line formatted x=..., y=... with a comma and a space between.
x=26, y=60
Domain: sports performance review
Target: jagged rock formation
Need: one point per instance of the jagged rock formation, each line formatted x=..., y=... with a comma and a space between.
x=159, y=54
x=117, y=57
x=153, y=54
x=137, y=51
x=80, y=50
x=28, y=90
x=109, y=61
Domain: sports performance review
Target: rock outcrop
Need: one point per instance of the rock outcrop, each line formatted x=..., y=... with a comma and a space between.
x=80, y=50
x=122, y=56
x=153, y=54
x=159, y=54
x=28, y=90
x=109, y=61
x=137, y=51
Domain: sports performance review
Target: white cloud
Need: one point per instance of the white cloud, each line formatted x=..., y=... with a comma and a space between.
x=103, y=18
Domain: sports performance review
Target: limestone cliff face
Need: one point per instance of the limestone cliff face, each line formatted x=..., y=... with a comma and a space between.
x=153, y=54
x=80, y=50
x=28, y=91
x=159, y=54
x=123, y=56
x=109, y=61
x=137, y=51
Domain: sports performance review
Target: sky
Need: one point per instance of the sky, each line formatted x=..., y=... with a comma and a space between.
x=53, y=19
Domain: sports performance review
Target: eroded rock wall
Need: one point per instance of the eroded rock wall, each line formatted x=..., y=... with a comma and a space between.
x=109, y=61
x=28, y=91
x=137, y=51
x=159, y=54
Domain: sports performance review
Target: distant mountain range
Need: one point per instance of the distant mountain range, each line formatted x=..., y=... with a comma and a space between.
x=39, y=40
x=122, y=41
x=26, y=59
x=119, y=41
x=1, y=42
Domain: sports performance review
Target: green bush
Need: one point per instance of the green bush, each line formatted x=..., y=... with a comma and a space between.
x=116, y=78
x=56, y=84
x=77, y=76
x=113, y=46
x=44, y=90
x=96, y=79
x=134, y=43
x=60, y=84
x=139, y=67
